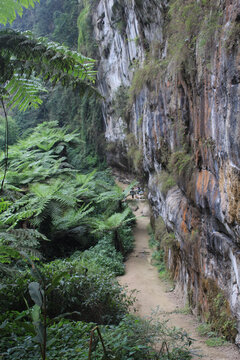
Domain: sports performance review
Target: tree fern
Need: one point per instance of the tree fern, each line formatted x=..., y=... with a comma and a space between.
x=72, y=218
x=48, y=60
x=112, y=222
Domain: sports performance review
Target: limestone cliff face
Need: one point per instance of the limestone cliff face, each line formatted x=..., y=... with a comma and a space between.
x=180, y=126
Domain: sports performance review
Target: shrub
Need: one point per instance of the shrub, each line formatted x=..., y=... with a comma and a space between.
x=133, y=338
x=89, y=294
x=127, y=239
x=104, y=255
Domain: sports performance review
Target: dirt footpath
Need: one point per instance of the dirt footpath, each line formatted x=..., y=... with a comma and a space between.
x=143, y=276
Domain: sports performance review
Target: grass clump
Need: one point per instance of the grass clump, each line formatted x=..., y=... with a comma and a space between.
x=215, y=341
x=219, y=316
x=142, y=76
x=166, y=181
x=181, y=164
x=205, y=329
x=160, y=241
x=191, y=22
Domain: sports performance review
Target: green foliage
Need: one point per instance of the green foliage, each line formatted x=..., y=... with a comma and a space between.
x=105, y=257
x=161, y=241
x=143, y=76
x=40, y=155
x=120, y=102
x=84, y=29
x=57, y=19
x=49, y=60
x=50, y=198
x=24, y=92
x=116, y=225
x=137, y=338
x=189, y=22
x=181, y=164
x=219, y=315
x=164, y=237
x=9, y=9
x=216, y=341
x=158, y=261
x=166, y=182
x=205, y=329
x=133, y=339
x=223, y=323
x=88, y=294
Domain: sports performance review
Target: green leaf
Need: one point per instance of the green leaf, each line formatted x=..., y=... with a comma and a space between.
x=9, y=8
x=55, y=281
x=36, y=311
x=36, y=293
x=40, y=333
x=23, y=92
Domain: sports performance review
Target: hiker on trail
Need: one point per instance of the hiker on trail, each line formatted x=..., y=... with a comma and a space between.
x=132, y=192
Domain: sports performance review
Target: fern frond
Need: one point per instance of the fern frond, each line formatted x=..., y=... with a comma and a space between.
x=24, y=92
x=111, y=223
x=49, y=60
x=72, y=218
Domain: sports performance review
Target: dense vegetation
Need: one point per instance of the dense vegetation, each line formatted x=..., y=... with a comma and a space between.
x=64, y=227
x=64, y=235
x=67, y=22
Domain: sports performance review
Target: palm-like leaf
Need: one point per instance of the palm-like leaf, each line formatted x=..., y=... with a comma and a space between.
x=116, y=194
x=111, y=223
x=48, y=60
x=24, y=92
x=72, y=218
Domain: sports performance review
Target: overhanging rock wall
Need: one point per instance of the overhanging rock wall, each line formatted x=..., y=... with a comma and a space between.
x=180, y=124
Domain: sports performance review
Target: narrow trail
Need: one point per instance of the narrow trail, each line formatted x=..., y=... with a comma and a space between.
x=143, y=276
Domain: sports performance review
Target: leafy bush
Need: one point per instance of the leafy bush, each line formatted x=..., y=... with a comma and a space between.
x=104, y=255
x=50, y=199
x=132, y=339
x=89, y=294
